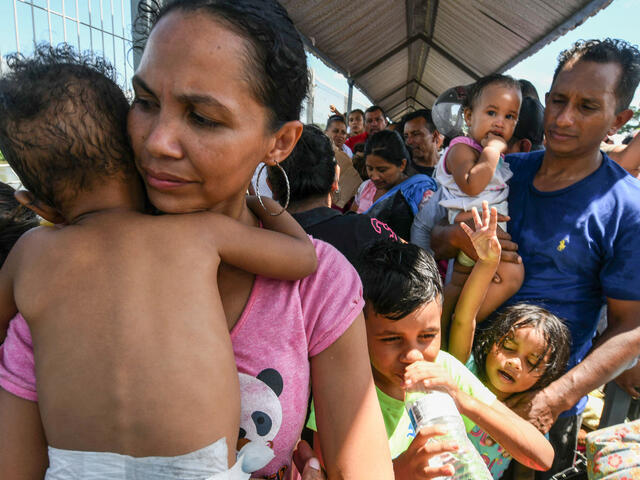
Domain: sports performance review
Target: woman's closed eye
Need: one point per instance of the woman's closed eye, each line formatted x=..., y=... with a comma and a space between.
x=202, y=121
x=143, y=103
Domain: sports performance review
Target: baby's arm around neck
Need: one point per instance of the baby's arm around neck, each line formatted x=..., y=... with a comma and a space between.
x=281, y=250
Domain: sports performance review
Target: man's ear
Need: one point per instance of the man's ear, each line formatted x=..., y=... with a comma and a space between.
x=285, y=139
x=621, y=118
x=525, y=145
x=49, y=213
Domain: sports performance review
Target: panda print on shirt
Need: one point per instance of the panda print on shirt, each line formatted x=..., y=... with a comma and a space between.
x=261, y=412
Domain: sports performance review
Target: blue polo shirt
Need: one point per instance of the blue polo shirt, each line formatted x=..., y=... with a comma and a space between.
x=579, y=245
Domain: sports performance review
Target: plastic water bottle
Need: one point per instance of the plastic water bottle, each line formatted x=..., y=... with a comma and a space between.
x=433, y=407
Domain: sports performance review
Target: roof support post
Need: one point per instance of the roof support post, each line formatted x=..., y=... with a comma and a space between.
x=349, y=97
x=311, y=96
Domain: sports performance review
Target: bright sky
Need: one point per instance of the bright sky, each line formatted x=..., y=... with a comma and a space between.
x=619, y=20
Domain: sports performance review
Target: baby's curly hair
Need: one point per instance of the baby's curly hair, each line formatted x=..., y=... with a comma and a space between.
x=64, y=122
x=555, y=332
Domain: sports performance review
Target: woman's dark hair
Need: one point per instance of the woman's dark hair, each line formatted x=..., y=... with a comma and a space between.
x=311, y=168
x=555, y=332
x=388, y=145
x=528, y=89
x=609, y=50
x=475, y=90
x=334, y=119
x=276, y=61
x=359, y=161
x=14, y=220
x=397, y=278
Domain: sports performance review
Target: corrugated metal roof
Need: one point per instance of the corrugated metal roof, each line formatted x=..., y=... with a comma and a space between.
x=403, y=54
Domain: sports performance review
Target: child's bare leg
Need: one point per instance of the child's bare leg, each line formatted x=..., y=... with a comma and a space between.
x=511, y=277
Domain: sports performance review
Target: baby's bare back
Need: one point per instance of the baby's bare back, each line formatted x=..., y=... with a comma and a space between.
x=131, y=344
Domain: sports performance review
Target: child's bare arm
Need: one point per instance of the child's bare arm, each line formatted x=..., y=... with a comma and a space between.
x=23, y=446
x=472, y=173
x=283, y=223
x=518, y=437
x=286, y=253
x=521, y=439
x=488, y=249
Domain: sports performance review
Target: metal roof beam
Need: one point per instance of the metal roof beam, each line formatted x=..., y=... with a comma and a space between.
x=423, y=86
x=450, y=57
x=393, y=92
x=405, y=44
x=386, y=56
x=403, y=101
x=405, y=84
x=421, y=17
x=397, y=105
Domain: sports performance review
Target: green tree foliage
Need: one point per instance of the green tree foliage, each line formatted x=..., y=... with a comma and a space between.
x=632, y=124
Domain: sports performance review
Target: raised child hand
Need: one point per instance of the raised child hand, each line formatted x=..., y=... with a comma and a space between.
x=484, y=237
x=334, y=110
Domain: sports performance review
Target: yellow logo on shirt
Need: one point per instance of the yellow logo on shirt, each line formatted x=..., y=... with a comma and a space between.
x=563, y=244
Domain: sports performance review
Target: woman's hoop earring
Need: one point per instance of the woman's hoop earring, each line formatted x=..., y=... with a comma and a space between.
x=286, y=181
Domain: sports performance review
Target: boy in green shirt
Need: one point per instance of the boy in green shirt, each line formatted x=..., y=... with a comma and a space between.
x=403, y=294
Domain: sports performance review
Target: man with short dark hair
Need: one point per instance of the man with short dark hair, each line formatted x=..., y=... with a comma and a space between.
x=575, y=216
x=421, y=135
x=375, y=120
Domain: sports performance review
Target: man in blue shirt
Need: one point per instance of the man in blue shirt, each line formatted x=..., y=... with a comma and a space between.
x=575, y=216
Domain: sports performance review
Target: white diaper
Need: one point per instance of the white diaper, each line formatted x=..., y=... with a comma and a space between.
x=208, y=463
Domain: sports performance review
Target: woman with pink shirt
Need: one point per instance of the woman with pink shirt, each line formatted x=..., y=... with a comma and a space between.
x=217, y=92
x=391, y=194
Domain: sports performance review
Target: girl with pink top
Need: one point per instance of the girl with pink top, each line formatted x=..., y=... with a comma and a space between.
x=473, y=170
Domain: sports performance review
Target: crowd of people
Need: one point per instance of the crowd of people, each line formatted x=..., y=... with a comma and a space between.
x=171, y=321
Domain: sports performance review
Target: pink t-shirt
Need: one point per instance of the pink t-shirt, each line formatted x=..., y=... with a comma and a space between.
x=282, y=326
x=17, y=366
x=364, y=196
